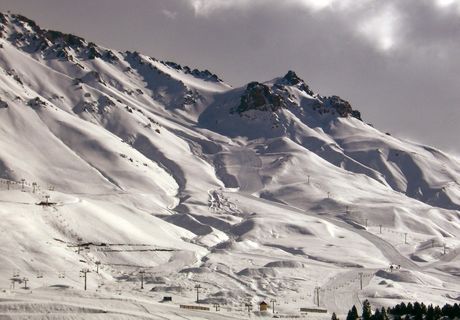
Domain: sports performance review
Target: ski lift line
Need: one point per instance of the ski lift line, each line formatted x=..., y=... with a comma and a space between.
x=104, y=244
x=46, y=273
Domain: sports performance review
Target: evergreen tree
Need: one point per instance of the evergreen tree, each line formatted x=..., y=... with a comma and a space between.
x=418, y=313
x=367, y=311
x=417, y=309
x=355, y=312
x=410, y=309
x=456, y=311
x=430, y=313
x=437, y=312
x=384, y=314
x=423, y=307
x=418, y=316
x=402, y=308
x=446, y=310
x=399, y=309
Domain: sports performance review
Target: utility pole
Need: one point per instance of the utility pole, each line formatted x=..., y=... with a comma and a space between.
x=198, y=287
x=25, y=282
x=308, y=179
x=97, y=266
x=15, y=278
x=34, y=187
x=8, y=182
x=23, y=181
x=405, y=238
x=444, y=245
x=317, y=295
x=249, y=306
x=361, y=280
x=273, y=305
x=83, y=274
x=366, y=222
x=142, y=272
x=216, y=306
x=380, y=228
x=79, y=240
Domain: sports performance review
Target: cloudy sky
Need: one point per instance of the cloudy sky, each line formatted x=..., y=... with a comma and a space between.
x=395, y=60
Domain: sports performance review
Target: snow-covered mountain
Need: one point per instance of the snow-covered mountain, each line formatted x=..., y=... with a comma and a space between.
x=260, y=192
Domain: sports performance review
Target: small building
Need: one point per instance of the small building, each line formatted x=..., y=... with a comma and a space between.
x=263, y=306
x=166, y=299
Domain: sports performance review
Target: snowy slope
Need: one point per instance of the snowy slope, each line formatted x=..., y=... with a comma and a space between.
x=259, y=192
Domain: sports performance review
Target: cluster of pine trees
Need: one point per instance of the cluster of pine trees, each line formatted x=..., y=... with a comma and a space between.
x=415, y=311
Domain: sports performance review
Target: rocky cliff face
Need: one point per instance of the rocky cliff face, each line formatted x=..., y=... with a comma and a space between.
x=276, y=95
x=258, y=96
x=342, y=107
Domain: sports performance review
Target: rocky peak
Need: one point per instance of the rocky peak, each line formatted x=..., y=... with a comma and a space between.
x=273, y=97
x=24, y=21
x=64, y=38
x=342, y=107
x=3, y=23
x=25, y=34
x=291, y=79
x=258, y=96
x=2, y=18
x=204, y=75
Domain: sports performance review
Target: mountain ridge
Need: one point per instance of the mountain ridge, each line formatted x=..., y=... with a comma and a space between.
x=266, y=190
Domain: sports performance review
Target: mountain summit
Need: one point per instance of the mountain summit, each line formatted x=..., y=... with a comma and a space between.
x=121, y=162
x=280, y=94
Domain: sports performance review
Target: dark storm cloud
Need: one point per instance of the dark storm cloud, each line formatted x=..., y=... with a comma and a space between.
x=394, y=60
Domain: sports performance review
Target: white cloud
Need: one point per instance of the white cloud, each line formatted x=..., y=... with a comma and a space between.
x=381, y=27
x=382, y=23
x=341, y=5
x=169, y=14
x=447, y=3
x=205, y=7
x=318, y=4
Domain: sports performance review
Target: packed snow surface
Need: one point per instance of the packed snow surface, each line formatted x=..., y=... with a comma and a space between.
x=162, y=181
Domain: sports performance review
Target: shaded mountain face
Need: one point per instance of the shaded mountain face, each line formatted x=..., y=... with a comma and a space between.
x=263, y=97
x=141, y=151
x=99, y=85
x=115, y=90
x=258, y=96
